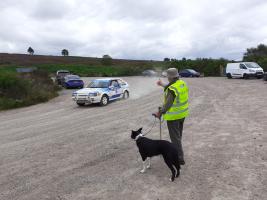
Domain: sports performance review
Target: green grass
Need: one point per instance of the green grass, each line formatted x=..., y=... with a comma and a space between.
x=89, y=70
x=8, y=69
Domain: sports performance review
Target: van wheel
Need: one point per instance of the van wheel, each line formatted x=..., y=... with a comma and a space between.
x=245, y=76
x=126, y=95
x=104, y=100
x=229, y=75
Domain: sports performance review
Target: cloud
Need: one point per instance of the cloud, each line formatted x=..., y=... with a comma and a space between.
x=133, y=29
x=50, y=9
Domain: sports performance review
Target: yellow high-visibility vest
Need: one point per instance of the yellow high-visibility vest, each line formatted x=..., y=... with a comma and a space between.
x=180, y=105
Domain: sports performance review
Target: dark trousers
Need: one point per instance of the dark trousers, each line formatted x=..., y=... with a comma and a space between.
x=175, y=128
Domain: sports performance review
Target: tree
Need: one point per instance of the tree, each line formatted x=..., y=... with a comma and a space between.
x=166, y=59
x=65, y=52
x=253, y=54
x=107, y=56
x=258, y=55
x=106, y=60
x=30, y=51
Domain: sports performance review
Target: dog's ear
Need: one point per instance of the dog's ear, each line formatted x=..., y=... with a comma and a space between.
x=140, y=130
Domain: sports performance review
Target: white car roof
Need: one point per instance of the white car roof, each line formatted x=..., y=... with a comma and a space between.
x=108, y=79
x=240, y=62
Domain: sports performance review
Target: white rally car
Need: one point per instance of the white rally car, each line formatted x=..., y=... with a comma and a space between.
x=102, y=91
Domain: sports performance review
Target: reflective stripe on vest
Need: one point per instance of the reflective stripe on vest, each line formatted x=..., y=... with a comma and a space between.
x=179, y=104
x=175, y=113
x=174, y=89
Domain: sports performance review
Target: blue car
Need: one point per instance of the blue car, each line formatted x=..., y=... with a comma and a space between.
x=73, y=81
x=189, y=73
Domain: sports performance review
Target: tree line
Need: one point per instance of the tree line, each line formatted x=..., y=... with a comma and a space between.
x=106, y=59
x=215, y=67
x=64, y=52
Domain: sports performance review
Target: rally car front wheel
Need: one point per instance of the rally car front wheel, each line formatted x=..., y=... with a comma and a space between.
x=104, y=100
x=126, y=95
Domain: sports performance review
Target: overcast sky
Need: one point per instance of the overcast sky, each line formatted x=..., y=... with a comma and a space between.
x=144, y=29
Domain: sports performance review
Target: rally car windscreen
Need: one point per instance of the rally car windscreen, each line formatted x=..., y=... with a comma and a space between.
x=99, y=84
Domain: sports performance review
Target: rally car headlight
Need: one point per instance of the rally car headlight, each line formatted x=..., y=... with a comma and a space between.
x=94, y=94
x=74, y=94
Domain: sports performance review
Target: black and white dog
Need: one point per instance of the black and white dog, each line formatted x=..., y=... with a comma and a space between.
x=149, y=148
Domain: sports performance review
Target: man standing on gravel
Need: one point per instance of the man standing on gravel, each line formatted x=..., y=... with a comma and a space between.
x=175, y=108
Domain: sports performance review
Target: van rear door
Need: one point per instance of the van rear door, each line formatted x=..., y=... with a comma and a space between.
x=235, y=69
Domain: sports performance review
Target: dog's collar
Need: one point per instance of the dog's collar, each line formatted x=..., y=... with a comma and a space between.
x=138, y=136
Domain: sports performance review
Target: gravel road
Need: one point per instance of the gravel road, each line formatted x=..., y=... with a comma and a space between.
x=59, y=151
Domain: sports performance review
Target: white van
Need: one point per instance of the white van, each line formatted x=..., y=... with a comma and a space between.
x=243, y=70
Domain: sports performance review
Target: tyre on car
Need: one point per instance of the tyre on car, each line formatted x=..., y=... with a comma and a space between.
x=126, y=95
x=104, y=100
x=229, y=75
x=245, y=76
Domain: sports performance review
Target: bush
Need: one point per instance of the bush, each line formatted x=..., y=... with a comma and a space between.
x=106, y=60
x=210, y=67
x=17, y=90
x=12, y=86
x=263, y=63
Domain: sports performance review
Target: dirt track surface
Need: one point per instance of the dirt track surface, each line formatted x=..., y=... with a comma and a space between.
x=59, y=151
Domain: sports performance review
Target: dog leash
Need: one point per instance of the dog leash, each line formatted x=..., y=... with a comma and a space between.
x=160, y=123
x=153, y=125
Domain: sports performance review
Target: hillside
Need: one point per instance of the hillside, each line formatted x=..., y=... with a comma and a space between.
x=31, y=60
x=83, y=66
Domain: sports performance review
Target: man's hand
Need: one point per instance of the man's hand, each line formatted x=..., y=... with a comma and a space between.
x=157, y=115
x=160, y=83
